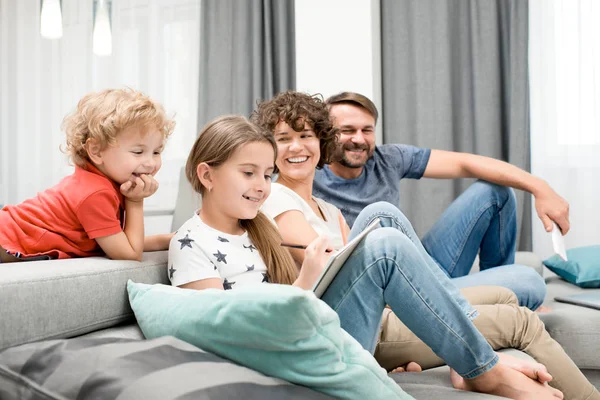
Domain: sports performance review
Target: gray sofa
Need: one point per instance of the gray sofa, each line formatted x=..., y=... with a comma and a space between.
x=86, y=299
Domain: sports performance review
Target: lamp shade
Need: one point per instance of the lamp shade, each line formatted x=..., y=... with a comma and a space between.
x=102, y=36
x=51, y=19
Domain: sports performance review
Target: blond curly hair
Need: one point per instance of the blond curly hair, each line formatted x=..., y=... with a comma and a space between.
x=102, y=115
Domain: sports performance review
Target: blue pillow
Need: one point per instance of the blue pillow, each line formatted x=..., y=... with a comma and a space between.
x=279, y=330
x=582, y=269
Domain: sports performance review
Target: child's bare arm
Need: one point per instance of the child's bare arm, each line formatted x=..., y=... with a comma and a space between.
x=158, y=242
x=129, y=244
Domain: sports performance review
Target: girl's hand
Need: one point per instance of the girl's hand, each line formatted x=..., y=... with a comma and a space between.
x=143, y=186
x=315, y=258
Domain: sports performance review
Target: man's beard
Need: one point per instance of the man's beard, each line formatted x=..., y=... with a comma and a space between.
x=347, y=162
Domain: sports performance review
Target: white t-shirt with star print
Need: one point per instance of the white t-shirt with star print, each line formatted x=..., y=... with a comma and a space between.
x=198, y=252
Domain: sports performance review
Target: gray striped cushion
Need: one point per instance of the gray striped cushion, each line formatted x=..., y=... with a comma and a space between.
x=115, y=368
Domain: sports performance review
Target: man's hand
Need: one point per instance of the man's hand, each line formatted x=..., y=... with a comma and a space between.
x=143, y=186
x=548, y=204
x=551, y=207
x=530, y=368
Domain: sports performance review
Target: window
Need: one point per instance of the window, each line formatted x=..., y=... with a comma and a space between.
x=155, y=50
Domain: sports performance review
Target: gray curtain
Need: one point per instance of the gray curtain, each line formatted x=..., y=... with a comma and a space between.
x=455, y=77
x=247, y=53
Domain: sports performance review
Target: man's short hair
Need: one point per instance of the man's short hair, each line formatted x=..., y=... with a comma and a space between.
x=355, y=99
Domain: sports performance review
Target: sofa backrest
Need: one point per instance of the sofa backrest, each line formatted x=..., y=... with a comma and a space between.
x=187, y=203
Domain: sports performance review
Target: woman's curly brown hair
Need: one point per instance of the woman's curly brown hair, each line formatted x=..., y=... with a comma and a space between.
x=296, y=109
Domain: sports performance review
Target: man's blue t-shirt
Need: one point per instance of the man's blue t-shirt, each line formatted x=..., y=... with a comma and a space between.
x=379, y=180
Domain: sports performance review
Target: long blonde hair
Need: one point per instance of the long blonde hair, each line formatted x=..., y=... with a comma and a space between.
x=216, y=144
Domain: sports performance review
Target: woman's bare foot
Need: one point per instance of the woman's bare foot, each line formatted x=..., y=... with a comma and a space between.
x=504, y=381
x=410, y=367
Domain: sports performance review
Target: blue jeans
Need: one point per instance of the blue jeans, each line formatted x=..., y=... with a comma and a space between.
x=483, y=220
x=390, y=266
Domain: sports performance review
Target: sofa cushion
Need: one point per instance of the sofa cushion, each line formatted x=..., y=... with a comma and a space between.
x=576, y=328
x=103, y=368
x=525, y=258
x=128, y=330
x=582, y=267
x=279, y=330
x=65, y=298
x=188, y=201
x=434, y=384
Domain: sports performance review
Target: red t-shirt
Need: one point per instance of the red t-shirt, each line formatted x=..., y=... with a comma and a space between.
x=63, y=221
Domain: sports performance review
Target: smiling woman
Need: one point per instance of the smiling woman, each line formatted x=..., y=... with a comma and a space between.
x=294, y=116
x=299, y=151
x=306, y=139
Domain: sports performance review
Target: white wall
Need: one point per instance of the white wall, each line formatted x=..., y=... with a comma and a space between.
x=338, y=48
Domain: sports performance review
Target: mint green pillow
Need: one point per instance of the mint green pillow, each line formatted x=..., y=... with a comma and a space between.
x=582, y=269
x=279, y=330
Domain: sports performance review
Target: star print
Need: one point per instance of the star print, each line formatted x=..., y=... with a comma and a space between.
x=222, y=239
x=250, y=267
x=186, y=242
x=220, y=257
x=251, y=247
x=227, y=285
x=171, y=272
x=265, y=277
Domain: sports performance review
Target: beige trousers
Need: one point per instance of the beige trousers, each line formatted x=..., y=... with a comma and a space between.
x=505, y=325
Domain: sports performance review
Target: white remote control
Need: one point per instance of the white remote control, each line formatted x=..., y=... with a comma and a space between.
x=558, y=242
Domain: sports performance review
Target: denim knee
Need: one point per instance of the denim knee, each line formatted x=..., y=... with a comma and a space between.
x=385, y=209
x=389, y=243
x=532, y=290
x=504, y=195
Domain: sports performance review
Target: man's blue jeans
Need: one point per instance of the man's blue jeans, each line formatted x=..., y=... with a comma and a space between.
x=390, y=266
x=483, y=220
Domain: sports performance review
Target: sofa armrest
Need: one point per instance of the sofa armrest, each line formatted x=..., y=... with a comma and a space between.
x=65, y=298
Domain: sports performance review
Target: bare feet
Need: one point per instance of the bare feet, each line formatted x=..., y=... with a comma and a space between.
x=543, y=309
x=532, y=369
x=504, y=381
x=410, y=367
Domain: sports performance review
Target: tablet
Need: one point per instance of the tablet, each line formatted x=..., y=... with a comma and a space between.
x=336, y=261
x=591, y=299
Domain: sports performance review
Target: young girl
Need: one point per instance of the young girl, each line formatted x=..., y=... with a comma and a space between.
x=115, y=138
x=303, y=131
x=229, y=243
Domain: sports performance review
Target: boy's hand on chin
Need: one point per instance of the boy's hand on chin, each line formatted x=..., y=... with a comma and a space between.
x=137, y=190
